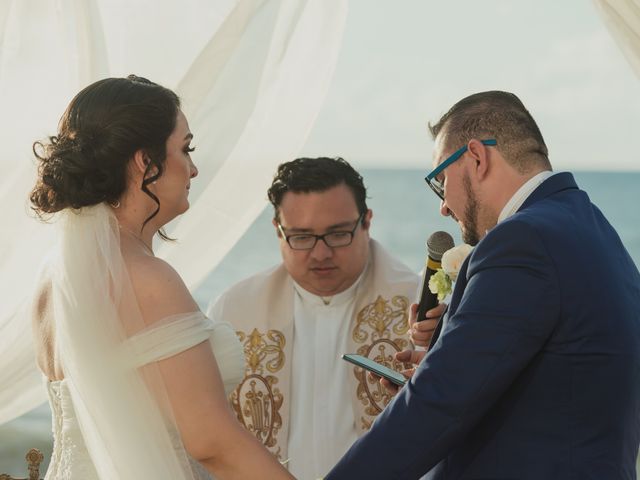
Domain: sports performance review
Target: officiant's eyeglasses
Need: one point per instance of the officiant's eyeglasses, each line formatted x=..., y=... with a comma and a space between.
x=436, y=185
x=306, y=241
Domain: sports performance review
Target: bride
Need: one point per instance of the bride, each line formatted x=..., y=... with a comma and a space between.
x=137, y=376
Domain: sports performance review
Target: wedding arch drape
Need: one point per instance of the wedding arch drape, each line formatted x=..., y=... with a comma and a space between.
x=252, y=75
x=622, y=18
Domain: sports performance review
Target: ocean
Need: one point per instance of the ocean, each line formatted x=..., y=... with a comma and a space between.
x=405, y=213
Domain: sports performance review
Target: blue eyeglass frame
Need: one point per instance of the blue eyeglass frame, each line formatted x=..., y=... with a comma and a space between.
x=455, y=156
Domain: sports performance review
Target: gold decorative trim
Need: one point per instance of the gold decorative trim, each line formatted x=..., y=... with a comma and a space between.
x=257, y=349
x=34, y=458
x=381, y=330
x=257, y=400
x=378, y=320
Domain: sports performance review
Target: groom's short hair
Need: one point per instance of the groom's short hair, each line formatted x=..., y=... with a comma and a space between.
x=495, y=115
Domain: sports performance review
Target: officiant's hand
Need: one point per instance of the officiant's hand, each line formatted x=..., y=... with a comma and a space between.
x=406, y=356
x=421, y=332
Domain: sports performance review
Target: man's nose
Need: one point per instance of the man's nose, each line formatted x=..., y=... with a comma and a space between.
x=444, y=209
x=321, y=250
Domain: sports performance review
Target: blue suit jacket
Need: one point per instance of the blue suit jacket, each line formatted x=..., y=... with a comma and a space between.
x=536, y=374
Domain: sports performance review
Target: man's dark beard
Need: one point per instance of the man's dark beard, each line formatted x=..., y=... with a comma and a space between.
x=470, y=220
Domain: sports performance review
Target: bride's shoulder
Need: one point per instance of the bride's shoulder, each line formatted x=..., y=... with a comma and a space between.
x=159, y=290
x=150, y=269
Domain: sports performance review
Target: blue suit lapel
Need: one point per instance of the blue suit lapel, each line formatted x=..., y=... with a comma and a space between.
x=458, y=289
x=552, y=185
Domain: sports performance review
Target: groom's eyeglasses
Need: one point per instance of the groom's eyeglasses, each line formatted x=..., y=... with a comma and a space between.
x=436, y=185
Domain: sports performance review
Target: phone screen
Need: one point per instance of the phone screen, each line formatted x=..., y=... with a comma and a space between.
x=375, y=367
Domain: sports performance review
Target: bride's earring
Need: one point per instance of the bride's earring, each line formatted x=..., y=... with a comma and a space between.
x=115, y=204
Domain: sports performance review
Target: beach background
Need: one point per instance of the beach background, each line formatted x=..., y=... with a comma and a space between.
x=405, y=213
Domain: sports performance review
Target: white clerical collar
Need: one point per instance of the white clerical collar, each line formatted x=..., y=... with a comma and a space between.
x=334, y=300
x=518, y=198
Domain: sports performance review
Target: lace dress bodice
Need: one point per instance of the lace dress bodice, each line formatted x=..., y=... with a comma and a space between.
x=70, y=459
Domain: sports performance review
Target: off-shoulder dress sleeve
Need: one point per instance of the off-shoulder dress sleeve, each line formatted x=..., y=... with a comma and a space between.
x=178, y=333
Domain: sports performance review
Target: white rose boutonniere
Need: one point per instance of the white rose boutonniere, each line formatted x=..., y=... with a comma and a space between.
x=440, y=283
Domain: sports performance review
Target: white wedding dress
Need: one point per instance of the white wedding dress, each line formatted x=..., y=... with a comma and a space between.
x=70, y=459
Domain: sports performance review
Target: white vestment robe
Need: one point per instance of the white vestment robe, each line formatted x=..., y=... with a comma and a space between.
x=371, y=319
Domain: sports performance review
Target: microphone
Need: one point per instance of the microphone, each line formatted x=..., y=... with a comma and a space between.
x=437, y=244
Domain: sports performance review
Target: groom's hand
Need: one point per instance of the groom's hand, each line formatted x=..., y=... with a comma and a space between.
x=422, y=331
x=410, y=356
x=406, y=356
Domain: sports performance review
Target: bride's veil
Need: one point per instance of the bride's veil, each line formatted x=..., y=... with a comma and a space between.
x=122, y=410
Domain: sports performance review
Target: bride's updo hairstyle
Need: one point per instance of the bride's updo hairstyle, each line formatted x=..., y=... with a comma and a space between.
x=103, y=126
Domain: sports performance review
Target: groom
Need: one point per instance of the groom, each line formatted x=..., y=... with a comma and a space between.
x=536, y=372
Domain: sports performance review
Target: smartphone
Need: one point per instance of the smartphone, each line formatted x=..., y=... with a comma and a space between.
x=394, y=377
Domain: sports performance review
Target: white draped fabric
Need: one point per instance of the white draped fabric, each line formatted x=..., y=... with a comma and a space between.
x=622, y=17
x=252, y=75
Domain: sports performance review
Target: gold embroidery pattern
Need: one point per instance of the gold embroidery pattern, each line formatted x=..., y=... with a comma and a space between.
x=381, y=327
x=379, y=319
x=257, y=400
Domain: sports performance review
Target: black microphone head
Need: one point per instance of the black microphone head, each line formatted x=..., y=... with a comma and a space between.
x=438, y=243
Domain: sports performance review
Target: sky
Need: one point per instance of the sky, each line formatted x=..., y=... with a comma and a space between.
x=404, y=63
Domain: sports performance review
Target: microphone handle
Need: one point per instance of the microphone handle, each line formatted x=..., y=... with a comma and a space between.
x=428, y=300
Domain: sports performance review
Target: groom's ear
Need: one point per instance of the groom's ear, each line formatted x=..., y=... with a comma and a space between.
x=479, y=153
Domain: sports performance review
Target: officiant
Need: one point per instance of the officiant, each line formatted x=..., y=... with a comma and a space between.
x=337, y=290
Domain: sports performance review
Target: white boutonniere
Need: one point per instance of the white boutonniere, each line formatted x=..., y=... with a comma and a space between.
x=441, y=281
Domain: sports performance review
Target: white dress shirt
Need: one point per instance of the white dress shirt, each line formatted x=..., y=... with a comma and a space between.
x=322, y=424
x=518, y=198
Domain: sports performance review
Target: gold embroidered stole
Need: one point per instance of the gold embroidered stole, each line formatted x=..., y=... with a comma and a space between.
x=263, y=319
x=379, y=329
x=261, y=310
